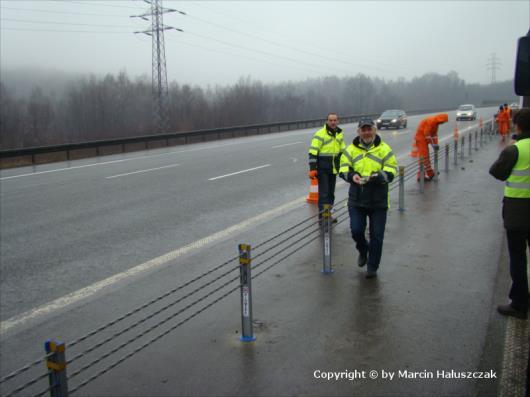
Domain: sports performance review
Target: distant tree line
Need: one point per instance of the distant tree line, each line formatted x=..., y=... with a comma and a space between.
x=115, y=106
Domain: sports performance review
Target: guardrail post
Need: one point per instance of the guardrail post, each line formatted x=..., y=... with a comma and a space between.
x=456, y=153
x=470, y=143
x=446, y=157
x=402, y=188
x=476, y=139
x=436, y=150
x=422, y=174
x=326, y=223
x=246, y=293
x=462, y=146
x=56, y=363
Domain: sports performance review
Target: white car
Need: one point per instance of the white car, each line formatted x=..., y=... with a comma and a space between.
x=466, y=112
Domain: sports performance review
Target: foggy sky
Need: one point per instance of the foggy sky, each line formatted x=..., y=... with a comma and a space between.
x=267, y=40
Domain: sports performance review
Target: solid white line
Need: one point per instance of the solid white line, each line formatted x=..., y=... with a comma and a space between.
x=141, y=171
x=158, y=262
x=285, y=144
x=239, y=172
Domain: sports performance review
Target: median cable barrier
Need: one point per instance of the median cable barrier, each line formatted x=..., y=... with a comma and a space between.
x=294, y=239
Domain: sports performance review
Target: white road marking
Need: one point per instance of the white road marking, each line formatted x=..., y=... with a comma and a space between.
x=239, y=172
x=285, y=144
x=142, y=171
x=154, y=263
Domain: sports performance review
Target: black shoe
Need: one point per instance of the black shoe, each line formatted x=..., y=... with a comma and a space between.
x=363, y=259
x=371, y=274
x=508, y=310
x=333, y=220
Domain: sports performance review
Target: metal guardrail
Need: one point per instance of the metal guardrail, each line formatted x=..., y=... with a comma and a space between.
x=72, y=151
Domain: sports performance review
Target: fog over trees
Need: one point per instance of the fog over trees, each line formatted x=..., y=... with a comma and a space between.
x=77, y=109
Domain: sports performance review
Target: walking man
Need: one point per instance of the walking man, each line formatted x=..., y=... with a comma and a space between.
x=513, y=166
x=369, y=165
x=324, y=156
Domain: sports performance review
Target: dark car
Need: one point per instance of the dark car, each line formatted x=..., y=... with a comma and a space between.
x=392, y=119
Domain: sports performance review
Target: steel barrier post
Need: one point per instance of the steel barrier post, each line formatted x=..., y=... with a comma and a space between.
x=56, y=363
x=402, y=188
x=326, y=223
x=456, y=152
x=462, y=146
x=476, y=139
x=436, y=150
x=422, y=174
x=246, y=293
x=446, y=157
x=470, y=143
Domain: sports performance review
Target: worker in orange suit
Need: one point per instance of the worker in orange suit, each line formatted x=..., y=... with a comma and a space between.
x=427, y=133
x=503, y=121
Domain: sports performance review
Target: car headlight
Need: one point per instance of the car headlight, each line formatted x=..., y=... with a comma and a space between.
x=378, y=120
x=394, y=120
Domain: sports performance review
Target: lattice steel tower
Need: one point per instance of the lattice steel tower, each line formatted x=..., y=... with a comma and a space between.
x=159, y=70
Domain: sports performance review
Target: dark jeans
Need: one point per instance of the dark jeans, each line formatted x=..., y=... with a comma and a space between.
x=517, y=246
x=326, y=189
x=374, y=248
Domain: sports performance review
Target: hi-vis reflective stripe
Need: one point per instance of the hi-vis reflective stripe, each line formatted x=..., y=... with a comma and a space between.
x=374, y=158
x=521, y=172
x=359, y=157
x=326, y=142
x=312, y=160
x=518, y=185
x=344, y=152
x=319, y=138
x=390, y=154
x=314, y=148
x=345, y=165
x=328, y=154
x=390, y=166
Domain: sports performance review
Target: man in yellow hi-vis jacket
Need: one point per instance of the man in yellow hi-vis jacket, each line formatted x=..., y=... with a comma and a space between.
x=369, y=165
x=324, y=154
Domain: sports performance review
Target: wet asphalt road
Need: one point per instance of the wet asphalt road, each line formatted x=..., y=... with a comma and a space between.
x=67, y=225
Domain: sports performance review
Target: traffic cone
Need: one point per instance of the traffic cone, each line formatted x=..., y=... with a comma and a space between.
x=312, y=197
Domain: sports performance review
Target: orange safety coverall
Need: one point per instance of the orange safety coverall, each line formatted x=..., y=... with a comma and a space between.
x=503, y=121
x=426, y=133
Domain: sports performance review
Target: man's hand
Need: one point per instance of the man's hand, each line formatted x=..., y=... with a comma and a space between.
x=312, y=174
x=378, y=177
x=357, y=179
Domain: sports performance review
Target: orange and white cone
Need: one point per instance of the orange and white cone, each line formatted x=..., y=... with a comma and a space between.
x=312, y=197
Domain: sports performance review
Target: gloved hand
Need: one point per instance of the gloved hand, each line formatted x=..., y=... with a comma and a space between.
x=435, y=146
x=378, y=177
x=312, y=174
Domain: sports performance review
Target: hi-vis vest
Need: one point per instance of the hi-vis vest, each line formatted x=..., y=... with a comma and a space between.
x=518, y=183
x=366, y=162
x=327, y=149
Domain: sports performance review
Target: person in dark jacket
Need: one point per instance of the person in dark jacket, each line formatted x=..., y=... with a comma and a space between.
x=513, y=166
x=369, y=165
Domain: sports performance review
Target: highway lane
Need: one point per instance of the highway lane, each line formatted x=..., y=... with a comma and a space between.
x=62, y=230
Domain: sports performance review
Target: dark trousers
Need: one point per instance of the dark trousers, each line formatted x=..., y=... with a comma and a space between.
x=518, y=243
x=374, y=248
x=326, y=189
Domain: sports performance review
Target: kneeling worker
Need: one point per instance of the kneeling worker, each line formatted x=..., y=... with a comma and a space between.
x=369, y=165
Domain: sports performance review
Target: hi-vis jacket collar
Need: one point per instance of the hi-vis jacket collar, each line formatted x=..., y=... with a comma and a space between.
x=337, y=130
x=357, y=142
